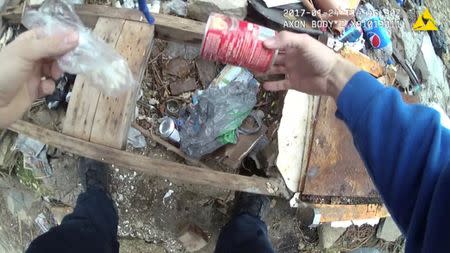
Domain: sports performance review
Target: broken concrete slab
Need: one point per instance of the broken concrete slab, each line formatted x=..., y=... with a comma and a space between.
x=207, y=71
x=403, y=78
x=200, y=9
x=388, y=230
x=328, y=235
x=432, y=70
x=178, y=67
x=193, y=238
x=182, y=86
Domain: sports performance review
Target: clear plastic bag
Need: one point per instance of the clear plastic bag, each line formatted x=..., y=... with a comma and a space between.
x=93, y=58
x=218, y=111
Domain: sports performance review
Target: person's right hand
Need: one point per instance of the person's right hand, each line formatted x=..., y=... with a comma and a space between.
x=309, y=66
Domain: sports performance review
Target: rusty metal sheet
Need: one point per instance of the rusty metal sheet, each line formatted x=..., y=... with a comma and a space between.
x=335, y=168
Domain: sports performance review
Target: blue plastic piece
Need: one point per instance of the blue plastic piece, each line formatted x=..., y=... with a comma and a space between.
x=144, y=9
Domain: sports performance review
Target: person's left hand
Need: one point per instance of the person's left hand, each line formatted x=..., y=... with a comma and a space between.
x=28, y=70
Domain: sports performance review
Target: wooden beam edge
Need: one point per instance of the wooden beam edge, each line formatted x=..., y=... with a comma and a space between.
x=156, y=167
x=167, y=27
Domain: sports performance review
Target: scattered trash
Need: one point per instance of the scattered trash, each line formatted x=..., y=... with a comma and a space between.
x=218, y=111
x=167, y=195
x=177, y=7
x=172, y=107
x=42, y=223
x=136, y=139
x=61, y=93
x=351, y=33
x=227, y=34
x=96, y=60
x=374, y=31
x=168, y=130
x=34, y=156
x=250, y=139
x=182, y=86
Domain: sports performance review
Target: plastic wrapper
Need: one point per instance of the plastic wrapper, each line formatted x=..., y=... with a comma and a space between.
x=93, y=58
x=218, y=111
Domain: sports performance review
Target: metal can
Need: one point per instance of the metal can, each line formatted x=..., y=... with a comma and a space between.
x=376, y=33
x=168, y=130
x=237, y=42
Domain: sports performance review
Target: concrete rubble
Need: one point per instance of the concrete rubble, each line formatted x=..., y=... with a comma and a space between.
x=388, y=230
x=200, y=9
x=328, y=235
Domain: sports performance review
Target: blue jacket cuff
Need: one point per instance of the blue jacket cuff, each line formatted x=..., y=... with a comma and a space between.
x=356, y=95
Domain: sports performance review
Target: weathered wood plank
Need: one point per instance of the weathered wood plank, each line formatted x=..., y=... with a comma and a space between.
x=330, y=213
x=167, y=27
x=84, y=100
x=113, y=117
x=149, y=166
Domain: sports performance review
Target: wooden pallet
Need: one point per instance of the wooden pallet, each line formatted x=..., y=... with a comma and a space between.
x=96, y=125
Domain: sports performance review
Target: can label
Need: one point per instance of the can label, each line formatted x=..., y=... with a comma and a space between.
x=236, y=42
x=376, y=33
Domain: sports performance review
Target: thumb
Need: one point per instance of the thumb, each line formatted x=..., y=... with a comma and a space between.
x=35, y=46
x=285, y=39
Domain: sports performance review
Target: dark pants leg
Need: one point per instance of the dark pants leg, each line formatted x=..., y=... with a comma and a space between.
x=92, y=227
x=243, y=234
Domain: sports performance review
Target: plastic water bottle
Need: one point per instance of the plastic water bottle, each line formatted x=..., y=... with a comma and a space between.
x=374, y=31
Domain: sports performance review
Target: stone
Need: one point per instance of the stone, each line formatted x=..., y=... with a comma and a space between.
x=178, y=67
x=329, y=235
x=183, y=50
x=182, y=86
x=200, y=9
x=193, y=238
x=388, y=230
x=207, y=71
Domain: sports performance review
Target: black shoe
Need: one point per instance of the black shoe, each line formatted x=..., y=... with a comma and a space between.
x=253, y=204
x=94, y=174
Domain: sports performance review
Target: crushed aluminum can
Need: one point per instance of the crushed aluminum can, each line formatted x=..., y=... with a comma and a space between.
x=237, y=42
x=168, y=130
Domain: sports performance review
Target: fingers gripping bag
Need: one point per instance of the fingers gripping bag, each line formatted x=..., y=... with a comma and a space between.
x=101, y=66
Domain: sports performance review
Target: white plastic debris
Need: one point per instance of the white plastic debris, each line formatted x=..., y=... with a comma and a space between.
x=167, y=195
x=136, y=139
x=34, y=156
x=42, y=223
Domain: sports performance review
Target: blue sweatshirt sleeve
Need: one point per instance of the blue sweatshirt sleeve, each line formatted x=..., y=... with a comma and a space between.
x=405, y=149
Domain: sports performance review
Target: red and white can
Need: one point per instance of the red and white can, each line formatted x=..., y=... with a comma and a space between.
x=237, y=42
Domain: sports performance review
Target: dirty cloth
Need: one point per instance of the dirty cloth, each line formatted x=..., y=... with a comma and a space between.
x=406, y=149
x=244, y=233
x=91, y=228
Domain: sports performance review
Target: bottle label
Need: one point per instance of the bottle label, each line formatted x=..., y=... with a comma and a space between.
x=376, y=33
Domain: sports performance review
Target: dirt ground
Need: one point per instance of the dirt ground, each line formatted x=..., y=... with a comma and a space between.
x=152, y=210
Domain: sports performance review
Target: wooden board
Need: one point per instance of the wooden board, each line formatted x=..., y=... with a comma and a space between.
x=83, y=102
x=330, y=213
x=114, y=114
x=149, y=166
x=166, y=26
x=335, y=167
x=95, y=117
